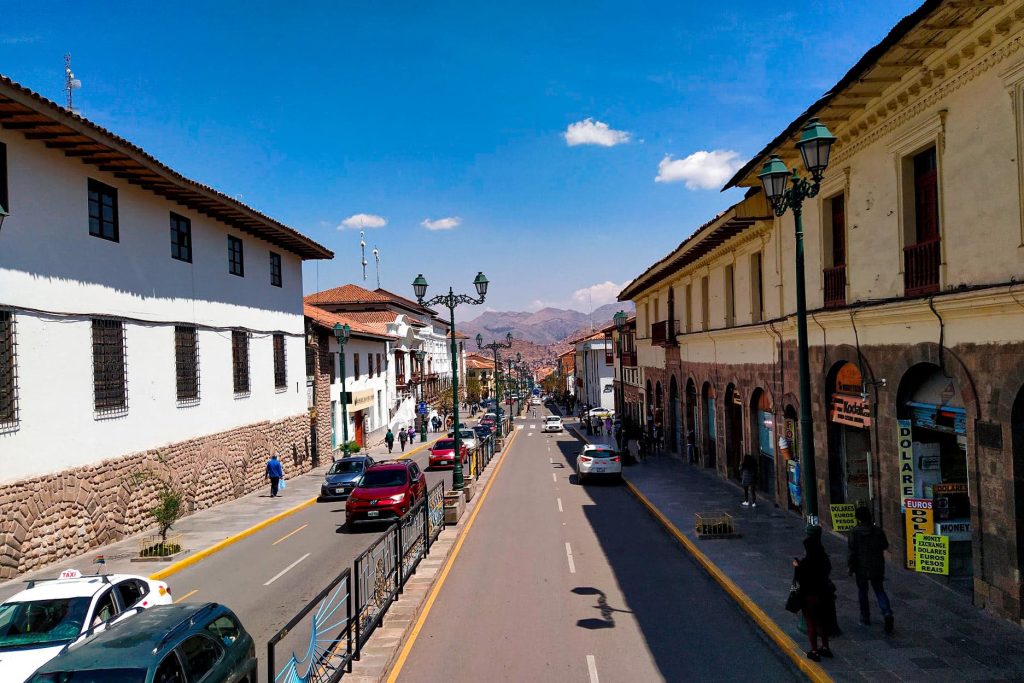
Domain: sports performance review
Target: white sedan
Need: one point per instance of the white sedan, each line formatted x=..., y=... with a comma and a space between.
x=38, y=622
x=552, y=423
x=597, y=460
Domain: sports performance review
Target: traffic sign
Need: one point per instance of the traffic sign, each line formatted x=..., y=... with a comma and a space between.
x=422, y=409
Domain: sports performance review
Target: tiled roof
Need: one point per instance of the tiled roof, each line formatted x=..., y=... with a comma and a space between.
x=478, y=364
x=42, y=119
x=359, y=328
x=346, y=294
x=405, y=302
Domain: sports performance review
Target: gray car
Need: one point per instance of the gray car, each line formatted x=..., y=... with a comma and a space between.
x=342, y=476
x=468, y=437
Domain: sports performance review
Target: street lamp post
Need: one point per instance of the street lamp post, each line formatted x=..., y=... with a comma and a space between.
x=494, y=346
x=815, y=145
x=450, y=301
x=420, y=355
x=620, y=325
x=342, y=333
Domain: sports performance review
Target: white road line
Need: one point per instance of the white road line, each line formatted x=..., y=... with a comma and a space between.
x=533, y=426
x=554, y=478
x=551, y=460
x=519, y=426
x=560, y=505
x=592, y=668
x=287, y=569
x=568, y=554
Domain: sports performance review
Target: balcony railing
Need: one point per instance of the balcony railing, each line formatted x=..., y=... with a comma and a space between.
x=629, y=359
x=664, y=333
x=921, y=268
x=835, y=287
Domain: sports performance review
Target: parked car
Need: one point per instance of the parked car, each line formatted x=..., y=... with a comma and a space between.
x=484, y=433
x=38, y=622
x=468, y=437
x=169, y=644
x=601, y=413
x=597, y=460
x=552, y=423
x=341, y=478
x=385, y=491
x=535, y=401
x=442, y=453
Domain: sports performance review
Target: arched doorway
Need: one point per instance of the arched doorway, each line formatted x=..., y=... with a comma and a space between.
x=658, y=423
x=675, y=417
x=733, y=432
x=648, y=416
x=710, y=434
x=690, y=418
x=931, y=407
x=789, y=448
x=762, y=432
x=1017, y=436
x=849, y=437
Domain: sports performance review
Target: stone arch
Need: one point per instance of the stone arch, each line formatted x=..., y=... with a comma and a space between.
x=945, y=360
x=257, y=451
x=65, y=518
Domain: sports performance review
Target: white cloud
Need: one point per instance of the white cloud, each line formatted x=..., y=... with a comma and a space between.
x=363, y=220
x=591, y=132
x=442, y=223
x=701, y=170
x=600, y=294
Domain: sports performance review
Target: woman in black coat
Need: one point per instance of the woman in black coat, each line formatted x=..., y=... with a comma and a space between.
x=812, y=573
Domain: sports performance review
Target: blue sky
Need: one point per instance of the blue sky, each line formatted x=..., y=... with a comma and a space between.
x=416, y=112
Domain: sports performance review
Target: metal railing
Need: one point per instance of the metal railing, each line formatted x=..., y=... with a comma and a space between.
x=326, y=645
x=435, y=513
x=921, y=268
x=835, y=286
x=375, y=580
x=412, y=538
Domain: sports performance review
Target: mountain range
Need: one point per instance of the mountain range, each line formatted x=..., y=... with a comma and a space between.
x=548, y=326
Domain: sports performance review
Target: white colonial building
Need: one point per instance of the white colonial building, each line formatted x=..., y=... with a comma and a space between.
x=594, y=365
x=147, y=323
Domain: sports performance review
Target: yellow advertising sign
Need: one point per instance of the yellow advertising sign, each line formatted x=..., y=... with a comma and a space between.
x=843, y=518
x=905, y=445
x=920, y=520
x=931, y=554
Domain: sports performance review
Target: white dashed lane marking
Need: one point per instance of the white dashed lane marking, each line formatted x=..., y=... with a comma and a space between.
x=568, y=554
x=592, y=668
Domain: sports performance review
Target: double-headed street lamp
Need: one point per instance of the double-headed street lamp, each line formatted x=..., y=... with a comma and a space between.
x=420, y=355
x=620, y=325
x=342, y=333
x=494, y=346
x=815, y=145
x=450, y=301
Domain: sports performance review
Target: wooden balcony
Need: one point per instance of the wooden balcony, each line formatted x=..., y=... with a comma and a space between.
x=629, y=359
x=835, y=287
x=664, y=333
x=921, y=268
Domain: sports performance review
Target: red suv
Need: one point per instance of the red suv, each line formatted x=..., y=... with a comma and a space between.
x=386, y=491
x=442, y=453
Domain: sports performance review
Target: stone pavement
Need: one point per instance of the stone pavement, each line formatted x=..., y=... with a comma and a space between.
x=940, y=635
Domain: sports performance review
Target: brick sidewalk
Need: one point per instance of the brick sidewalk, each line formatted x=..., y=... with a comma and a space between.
x=940, y=635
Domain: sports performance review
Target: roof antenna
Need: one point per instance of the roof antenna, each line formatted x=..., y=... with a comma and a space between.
x=362, y=248
x=70, y=82
x=376, y=257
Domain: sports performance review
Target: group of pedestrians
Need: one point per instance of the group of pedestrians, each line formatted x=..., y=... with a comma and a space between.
x=405, y=435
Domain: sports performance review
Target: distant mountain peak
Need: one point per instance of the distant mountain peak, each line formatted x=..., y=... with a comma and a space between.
x=546, y=326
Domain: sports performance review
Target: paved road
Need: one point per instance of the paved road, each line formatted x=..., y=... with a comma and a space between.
x=558, y=582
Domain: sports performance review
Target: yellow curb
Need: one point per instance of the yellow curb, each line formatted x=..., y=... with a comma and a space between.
x=814, y=671
x=230, y=540
x=396, y=669
x=416, y=450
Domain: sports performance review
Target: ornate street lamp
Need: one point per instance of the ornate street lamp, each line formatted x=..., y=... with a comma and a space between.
x=815, y=146
x=494, y=346
x=420, y=355
x=450, y=301
x=620, y=325
x=342, y=333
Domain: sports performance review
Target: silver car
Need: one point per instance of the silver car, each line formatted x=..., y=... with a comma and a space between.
x=468, y=437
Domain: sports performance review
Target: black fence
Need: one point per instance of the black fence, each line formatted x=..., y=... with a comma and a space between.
x=325, y=640
x=412, y=540
x=376, y=581
x=435, y=513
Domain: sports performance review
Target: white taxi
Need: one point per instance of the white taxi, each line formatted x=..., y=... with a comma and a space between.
x=552, y=423
x=38, y=622
x=597, y=460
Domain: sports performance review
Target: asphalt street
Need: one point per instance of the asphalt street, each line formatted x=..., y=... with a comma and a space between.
x=559, y=582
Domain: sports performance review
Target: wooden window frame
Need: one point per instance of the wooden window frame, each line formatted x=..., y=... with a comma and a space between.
x=181, y=238
x=101, y=190
x=186, y=364
x=236, y=256
x=355, y=366
x=241, y=380
x=280, y=363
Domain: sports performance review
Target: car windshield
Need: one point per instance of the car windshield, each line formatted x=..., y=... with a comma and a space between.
x=552, y=418
x=444, y=445
x=374, y=479
x=599, y=453
x=41, y=623
x=92, y=676
x=346, y=467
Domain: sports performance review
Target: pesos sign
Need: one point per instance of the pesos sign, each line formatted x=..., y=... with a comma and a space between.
x=843, y=518
x=931, y=554
x=920, y=520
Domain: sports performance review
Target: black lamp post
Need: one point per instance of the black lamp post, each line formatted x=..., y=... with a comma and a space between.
x=342, y=333
x=620, y=325
x=3, y=215
x=815, y=145
x=494, y=346
x=420, y=355
x=450, y=301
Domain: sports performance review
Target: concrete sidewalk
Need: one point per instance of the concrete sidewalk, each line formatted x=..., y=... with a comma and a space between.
x=939, y=635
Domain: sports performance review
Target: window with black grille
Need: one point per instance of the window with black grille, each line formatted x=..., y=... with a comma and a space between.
x=186, y=364
x=280, y=372
x=8, y=372
x=4, y=198
x=240, y=362
x=103, y=211
x=275, y=269
x=109, y=369
x=181, y=238
x=236, y=265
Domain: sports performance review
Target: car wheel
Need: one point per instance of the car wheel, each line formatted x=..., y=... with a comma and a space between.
x=579, y=479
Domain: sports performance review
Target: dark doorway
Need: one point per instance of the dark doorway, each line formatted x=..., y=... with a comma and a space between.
x=691, y=421
x=710, y=436
x=675, y=417
x=733, y=432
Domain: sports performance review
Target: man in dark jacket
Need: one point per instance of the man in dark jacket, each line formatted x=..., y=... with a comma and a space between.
x=867, y=546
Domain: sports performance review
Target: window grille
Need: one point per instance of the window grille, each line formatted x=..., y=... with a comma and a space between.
x=280, y=371
x=109, y=367
x=8, y=372
x=240, y=362
x=103, y=211
x=186, y=363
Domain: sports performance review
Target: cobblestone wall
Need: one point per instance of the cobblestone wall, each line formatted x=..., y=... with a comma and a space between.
x=51, y=517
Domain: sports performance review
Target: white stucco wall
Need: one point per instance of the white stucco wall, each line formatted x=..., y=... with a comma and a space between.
x=381, y=385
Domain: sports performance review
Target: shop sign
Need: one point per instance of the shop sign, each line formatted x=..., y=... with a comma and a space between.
x=932, y=554
x=920, y=519
x=850, y=410
x=905, y=445
x=954, y=531
x=361, y=400
x=946, y=489
x=843, y=517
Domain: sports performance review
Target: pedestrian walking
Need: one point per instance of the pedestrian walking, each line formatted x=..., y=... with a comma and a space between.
x=633, y=446
x=748, y=475
x=816, y=595
x=608, y=426
x=275, y=473
x=691, y=447
x=389, y=439
x=412, y=435
x=403, y=436
x=866, y=561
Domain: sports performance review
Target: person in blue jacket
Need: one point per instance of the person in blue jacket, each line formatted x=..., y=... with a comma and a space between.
x=275, y=473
